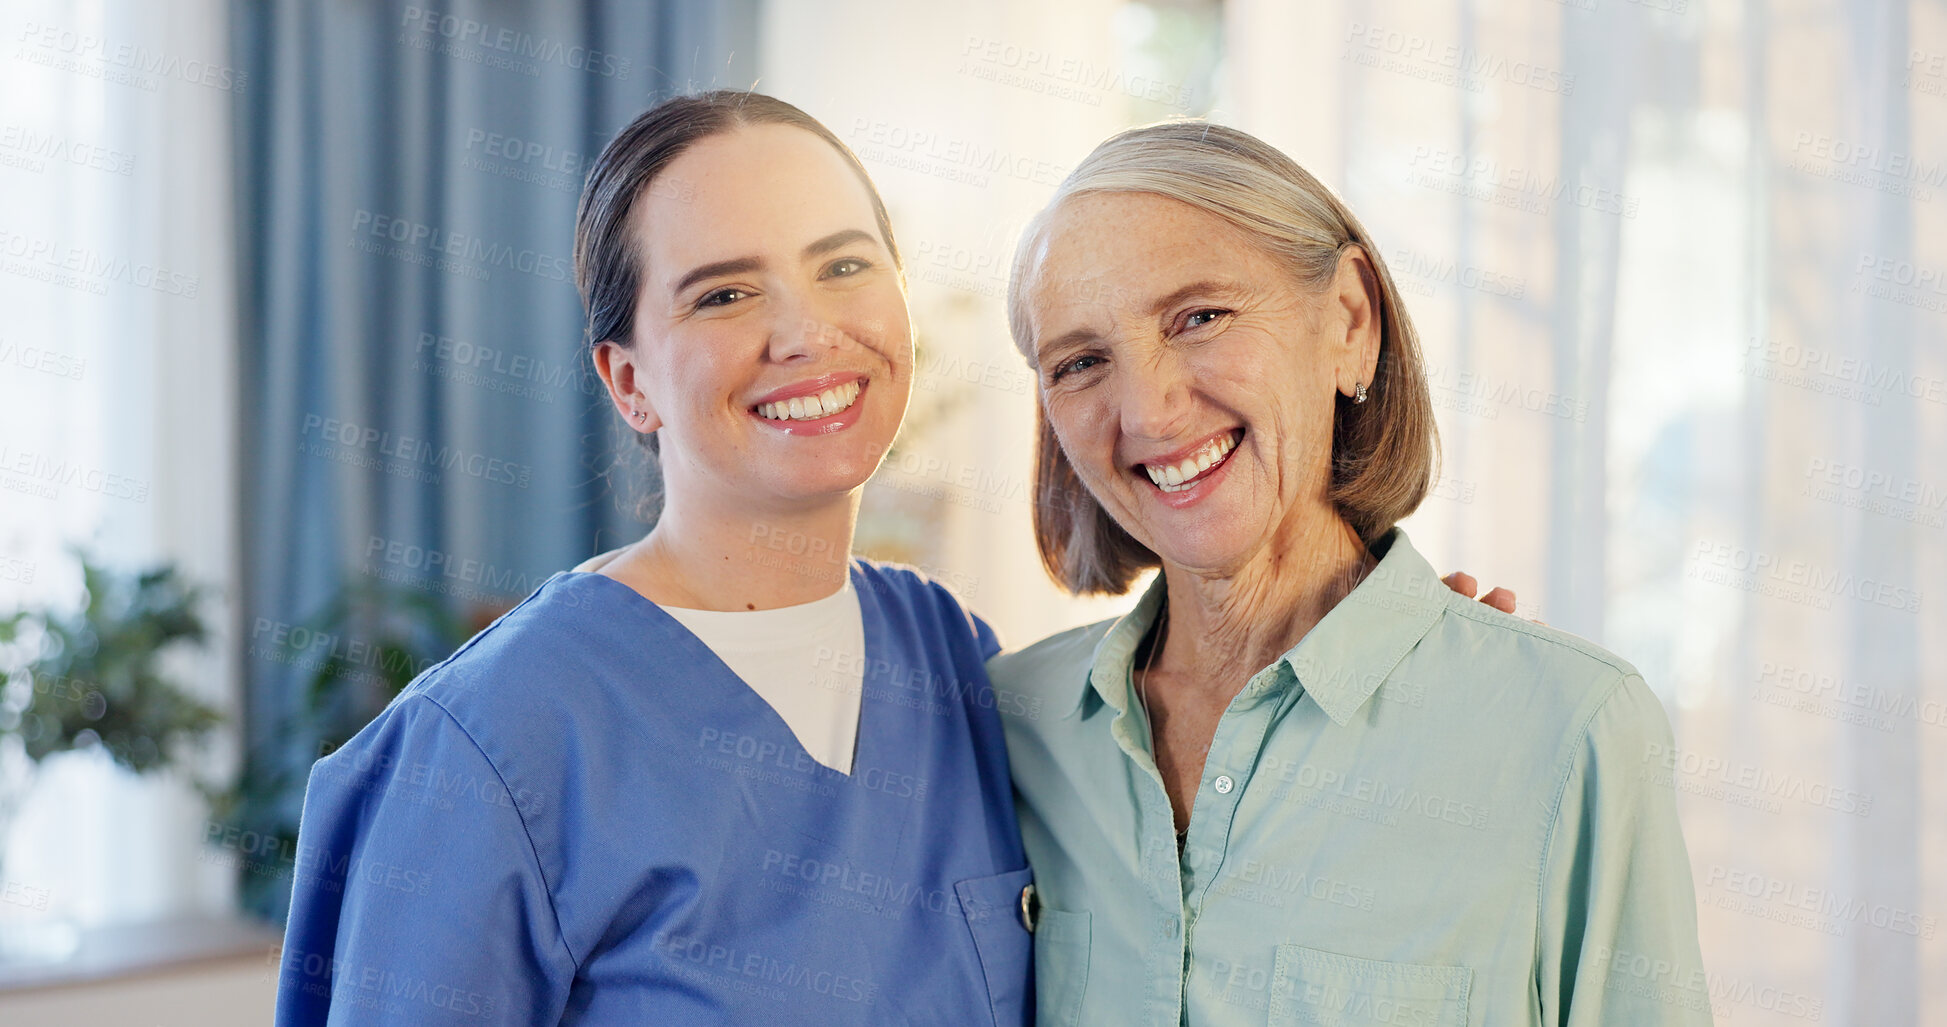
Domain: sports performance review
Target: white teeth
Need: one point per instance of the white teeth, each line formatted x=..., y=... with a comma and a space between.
x=1178, y=476
x=807, y=408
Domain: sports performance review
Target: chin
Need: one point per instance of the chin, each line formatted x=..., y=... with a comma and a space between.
x=1218, y=545
x=825, y=480
x=1217, y=561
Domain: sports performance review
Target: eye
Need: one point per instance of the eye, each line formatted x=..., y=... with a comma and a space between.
x=845, y=267
x=1200, y=318
x=721, y=298
x=1073, y=364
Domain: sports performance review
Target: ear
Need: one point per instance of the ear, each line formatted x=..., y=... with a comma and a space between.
x=1353, y=299
x=617, y=364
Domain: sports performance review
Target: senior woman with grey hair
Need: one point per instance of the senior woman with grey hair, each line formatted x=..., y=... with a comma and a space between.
x=1302, y=781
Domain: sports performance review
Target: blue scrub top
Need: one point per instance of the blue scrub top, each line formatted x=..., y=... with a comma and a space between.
x=583, y=816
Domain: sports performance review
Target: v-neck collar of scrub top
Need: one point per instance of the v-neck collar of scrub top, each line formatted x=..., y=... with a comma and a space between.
x=1340, y=663
x=871, y=618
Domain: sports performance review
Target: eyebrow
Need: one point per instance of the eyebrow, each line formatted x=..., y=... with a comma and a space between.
x=738, y=266
x=1082, y=335
x=743, y=265
x=1072, y=337
x=836, y=240
x=1178, y=296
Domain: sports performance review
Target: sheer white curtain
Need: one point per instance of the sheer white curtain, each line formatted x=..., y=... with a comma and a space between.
x=117, y=399
x=1678, y=266
x=1679, y=269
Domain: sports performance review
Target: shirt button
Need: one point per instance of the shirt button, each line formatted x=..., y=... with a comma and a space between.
x=1223, y=784
x=1030, y=907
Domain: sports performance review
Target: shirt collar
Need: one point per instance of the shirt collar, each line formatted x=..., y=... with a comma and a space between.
x=1115, y=654
x=1340, y=663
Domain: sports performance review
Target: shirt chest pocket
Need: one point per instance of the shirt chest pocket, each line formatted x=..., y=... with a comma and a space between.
x=1312, y=986
x=992, y=906
x=1061, y=941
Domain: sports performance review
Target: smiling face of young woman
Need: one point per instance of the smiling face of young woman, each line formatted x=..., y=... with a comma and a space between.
x=772, y=346
x=1189, y=378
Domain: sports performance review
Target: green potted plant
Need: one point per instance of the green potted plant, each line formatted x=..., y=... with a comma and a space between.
x=91, y=677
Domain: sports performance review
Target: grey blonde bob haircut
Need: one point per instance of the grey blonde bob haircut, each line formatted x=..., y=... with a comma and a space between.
x=1383, y=450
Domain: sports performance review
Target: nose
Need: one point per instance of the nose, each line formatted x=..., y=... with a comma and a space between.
x=801, y=332
x=1154, y=397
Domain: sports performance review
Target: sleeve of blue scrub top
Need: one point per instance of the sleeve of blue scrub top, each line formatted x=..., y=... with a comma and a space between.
x=1618, y=911
x=984, y=634
x=990, y=643
x=418, y=898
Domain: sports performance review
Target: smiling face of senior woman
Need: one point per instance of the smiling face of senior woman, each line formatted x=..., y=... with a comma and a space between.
x=1190, y=378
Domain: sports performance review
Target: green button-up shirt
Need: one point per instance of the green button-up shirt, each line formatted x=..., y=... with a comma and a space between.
x=1426, y=813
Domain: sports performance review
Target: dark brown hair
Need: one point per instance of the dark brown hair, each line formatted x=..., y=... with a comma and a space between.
x=608, y=266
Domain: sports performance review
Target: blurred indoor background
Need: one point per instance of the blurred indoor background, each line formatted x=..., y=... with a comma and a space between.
x=290, y=375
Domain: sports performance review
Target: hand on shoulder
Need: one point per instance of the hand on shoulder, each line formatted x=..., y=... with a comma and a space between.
x=1499, y=598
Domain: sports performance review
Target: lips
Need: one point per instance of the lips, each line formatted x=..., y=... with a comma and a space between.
x=1182, y=471
x=816, y=406
x=812, y=407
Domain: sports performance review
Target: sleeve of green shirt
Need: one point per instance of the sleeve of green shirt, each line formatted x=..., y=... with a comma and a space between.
x=1618, y=911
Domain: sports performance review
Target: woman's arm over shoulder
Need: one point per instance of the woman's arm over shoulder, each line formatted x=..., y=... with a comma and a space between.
x=1618, y=928
x=418, y=898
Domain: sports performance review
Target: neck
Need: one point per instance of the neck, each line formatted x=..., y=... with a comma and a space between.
x=727, y=556
x=1221, y=629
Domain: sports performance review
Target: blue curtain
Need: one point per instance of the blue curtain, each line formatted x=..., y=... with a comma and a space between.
x=424, y=442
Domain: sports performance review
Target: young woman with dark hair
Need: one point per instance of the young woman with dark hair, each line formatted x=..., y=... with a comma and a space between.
x=711, y=777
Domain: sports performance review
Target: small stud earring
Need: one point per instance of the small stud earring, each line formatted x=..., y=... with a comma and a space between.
x=640, y=416
x=1358, y=392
